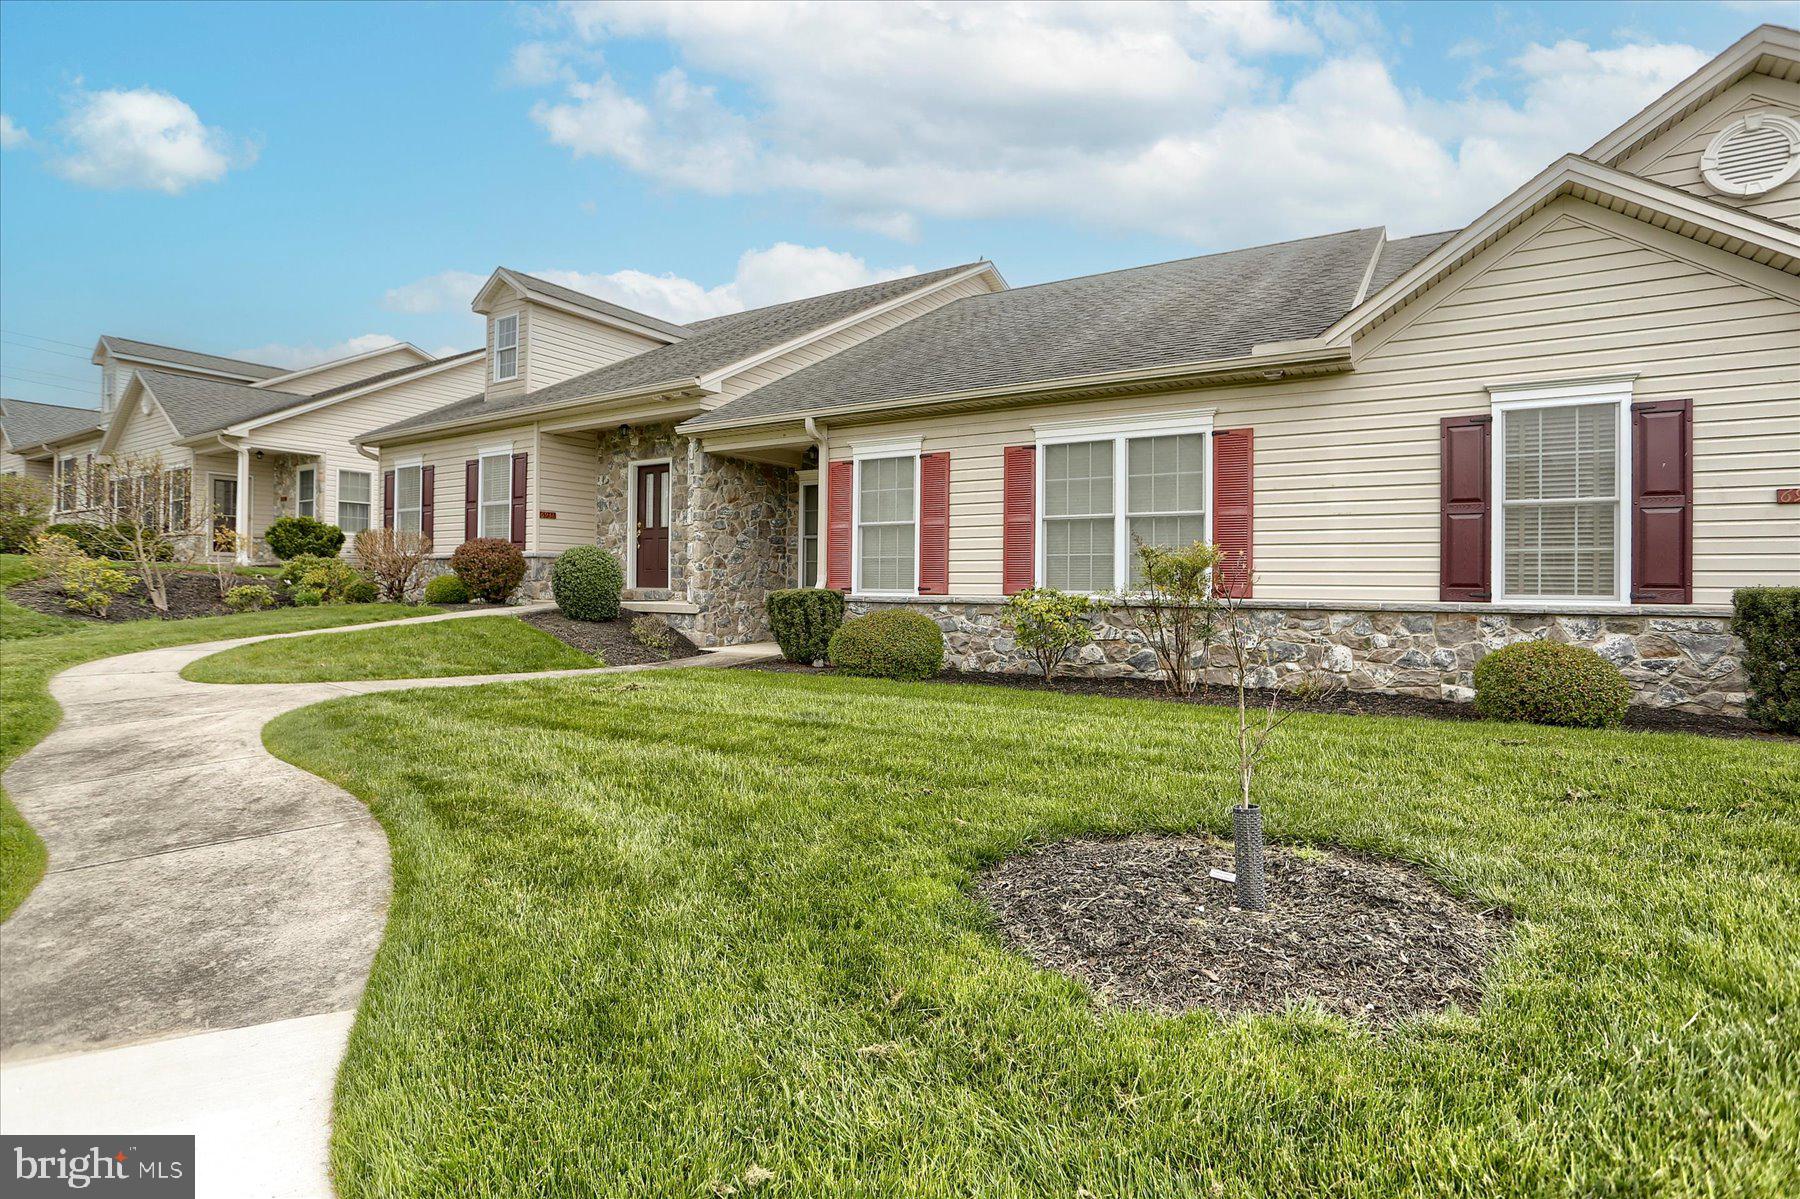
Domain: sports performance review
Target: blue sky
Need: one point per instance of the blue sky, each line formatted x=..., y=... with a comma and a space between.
x=289, y=182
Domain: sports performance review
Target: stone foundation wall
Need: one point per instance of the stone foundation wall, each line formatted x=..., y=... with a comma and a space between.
x=1686, y=662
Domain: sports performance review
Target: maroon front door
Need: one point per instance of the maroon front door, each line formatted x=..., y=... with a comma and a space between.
x=653, y=526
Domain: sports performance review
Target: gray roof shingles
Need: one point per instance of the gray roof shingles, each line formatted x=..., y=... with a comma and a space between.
x=710, y=345
x=1192, y=310
x=397, y=373
x=198, y=406
x=28, y=423
x=1398, y=257
x=193, y=358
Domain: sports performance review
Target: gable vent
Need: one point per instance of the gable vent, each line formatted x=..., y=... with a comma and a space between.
x=1752, y=155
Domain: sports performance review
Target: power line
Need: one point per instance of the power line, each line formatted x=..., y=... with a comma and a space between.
x=32, y=370
x=47, y=350
x=39, y=383
x=73, y=345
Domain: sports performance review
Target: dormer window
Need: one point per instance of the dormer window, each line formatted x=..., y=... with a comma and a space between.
x=506, y=348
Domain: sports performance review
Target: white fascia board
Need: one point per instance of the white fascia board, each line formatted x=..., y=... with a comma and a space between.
x=856, y=318
x=182, y=368
x=531, y=414
x=425, y=369
x=346, y=361
x=500, y=278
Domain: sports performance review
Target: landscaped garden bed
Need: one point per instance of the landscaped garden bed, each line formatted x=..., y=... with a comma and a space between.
x=191, y=593
x=611, y=639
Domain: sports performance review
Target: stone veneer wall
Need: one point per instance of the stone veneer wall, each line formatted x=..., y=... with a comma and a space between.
x=616, y=520
x=742, y=523
x=537, y=575
x=1684, y=661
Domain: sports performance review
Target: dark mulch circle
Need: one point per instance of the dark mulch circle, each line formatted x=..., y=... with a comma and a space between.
x=1141, y=922
x=191, y=593
x=611, y=639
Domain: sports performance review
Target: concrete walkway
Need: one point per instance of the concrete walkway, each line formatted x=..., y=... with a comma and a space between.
x=193, y=957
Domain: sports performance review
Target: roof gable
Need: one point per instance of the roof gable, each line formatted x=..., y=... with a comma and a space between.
x=200, y=406
x=505, y=282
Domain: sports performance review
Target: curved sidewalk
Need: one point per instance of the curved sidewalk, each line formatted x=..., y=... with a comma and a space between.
x=193, y=957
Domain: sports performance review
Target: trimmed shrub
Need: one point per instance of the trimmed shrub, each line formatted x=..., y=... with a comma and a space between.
x=332, y=578
x=24, y=507
x=114, y=541
x=1048, y=623
x=446, y=589
x=896, y=643
x=92, y=584
x=1767, y=620
x=251, y=597
x=1547, y=682
x=803, y=620
x=490, y=568
x=291, y=536
x=307, y=597
x=587, y=582
x=361, y=591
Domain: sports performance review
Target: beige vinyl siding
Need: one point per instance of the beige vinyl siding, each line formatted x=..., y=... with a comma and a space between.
x=1346, y=466
x=207, y=466
x=141, y=434
x=560, y=346
x=565, y=471
x=448, y=456
x=30, y=468
x=328, y=376
x=1674, y=157
x=767, y=372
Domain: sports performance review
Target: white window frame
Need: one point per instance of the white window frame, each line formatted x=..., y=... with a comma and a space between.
x=871, y=451
x=482, y=503
x=1120, y=432
x=417, y=464
x=809, y=478
x=1524, y=397
x=631, y=503
x=300, y=502
x=369, y=517
x=499, y=322
x=68, y=479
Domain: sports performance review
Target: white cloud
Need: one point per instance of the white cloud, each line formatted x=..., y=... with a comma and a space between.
x=143, y=139
x=294, y=357
x=1177, y=119
x=442, y=292
x=12, y=134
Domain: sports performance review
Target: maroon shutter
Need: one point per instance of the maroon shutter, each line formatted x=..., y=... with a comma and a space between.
x=428, y=501
x=387, y=500
x=471, y=499
x=520, y=476
x=1465, y=512
x=1662, y=502
x=1018, y=521
x=1234, y=510
x=934, y=524
x=839, y=482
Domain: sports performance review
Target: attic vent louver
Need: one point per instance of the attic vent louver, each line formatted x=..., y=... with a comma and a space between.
x=1754, y=154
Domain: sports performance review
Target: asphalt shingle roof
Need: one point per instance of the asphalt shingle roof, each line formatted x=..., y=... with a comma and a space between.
x=1398, y=257
x=606, y=307
x=397, y=373
x=710, y=345
x=1192, y=310
x=193, y=358
x=197, y=406
x=28, y=423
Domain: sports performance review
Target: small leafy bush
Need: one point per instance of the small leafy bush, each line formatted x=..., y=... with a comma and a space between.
x=91, y=585
x=1547, y=682
x=51, y=553
x=653, y=633
x=116, y=541
x=490, y=568
x=1047, y=624
x=251, y=597
x=446, y=589
x=396, y=557
x=331, y=578
x=803, y=620
x=1767, y=620
x=308, y=597
x=895, y=643
x=292, y=536
x=361, y=591
x=24, y=507
x=587, y=582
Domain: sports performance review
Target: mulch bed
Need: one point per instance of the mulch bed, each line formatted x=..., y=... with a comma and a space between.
x=1347, y=703
x=611, y=639
x=1141, y=922
x=191, y=593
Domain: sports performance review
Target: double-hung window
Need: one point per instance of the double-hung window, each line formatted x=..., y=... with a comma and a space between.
x=1561, y=465
x=409, y=497
x=354, y=491
x=506, y=348
x=887, y=522
x=180, y=486
x=306, y=491
x=65, y=485
x=1105, y=491
x=496, y=494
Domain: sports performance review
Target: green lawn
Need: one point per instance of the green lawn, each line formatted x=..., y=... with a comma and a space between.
x=652, y=931
x=34, y=647
x=475, y=645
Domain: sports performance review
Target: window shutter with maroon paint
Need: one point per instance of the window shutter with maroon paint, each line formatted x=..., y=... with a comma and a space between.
x=428, y=500
x=1662, y=502
x=471, y=499
x=387, y=500
x=1465, y=508
x=1018, y=495
x=840, y=480
x=1234, y=509
x=520, y=476
x=934, y=524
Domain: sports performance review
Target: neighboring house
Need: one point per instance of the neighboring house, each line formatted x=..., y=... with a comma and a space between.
x=29, y=433
x=1569, y=419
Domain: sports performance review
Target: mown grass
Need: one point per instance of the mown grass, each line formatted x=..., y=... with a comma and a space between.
x=29, y=659
x=651, y=933
x=476, y=645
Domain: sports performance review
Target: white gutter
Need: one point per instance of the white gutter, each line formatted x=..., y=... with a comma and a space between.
x=531, y=413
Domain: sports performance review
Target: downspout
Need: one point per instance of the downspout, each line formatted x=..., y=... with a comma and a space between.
x=819, y=437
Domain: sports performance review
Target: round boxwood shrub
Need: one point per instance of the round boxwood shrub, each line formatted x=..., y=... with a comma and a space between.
x=1547, y=682
x=896, y=643
x=291, y=536
x=587, y=582
x=446, y=589
x=490, y=568
x=361, y=591
x=803, y=620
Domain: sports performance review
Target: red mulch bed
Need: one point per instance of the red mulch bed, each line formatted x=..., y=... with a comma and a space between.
x=191, y=593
